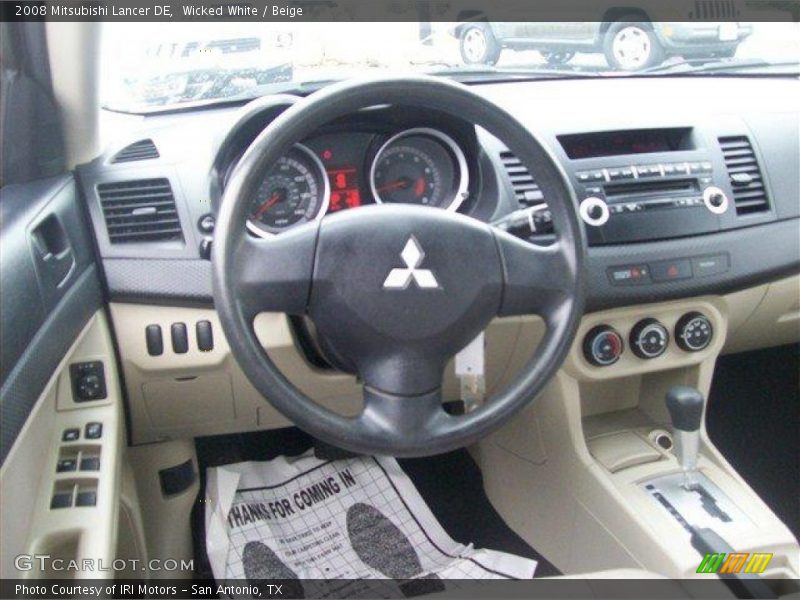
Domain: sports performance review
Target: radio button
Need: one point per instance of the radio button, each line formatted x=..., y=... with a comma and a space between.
x=630, y=275
x=682, y=168
x=589, y=176
x=704, y=266
x=669, y=169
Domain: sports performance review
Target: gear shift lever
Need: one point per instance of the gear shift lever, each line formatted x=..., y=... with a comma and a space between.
x=685, y=406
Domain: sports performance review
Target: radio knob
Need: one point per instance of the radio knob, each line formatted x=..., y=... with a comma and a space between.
x=649, y=339
x=694, y=332
x=603, y=346
x=715, y=200
x=594, y=211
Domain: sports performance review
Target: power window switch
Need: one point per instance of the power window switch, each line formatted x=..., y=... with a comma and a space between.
x=61, y=500
x=91, y=463
x=86, y=498
x=71, y=435
x=94, y=431
x=65, y=465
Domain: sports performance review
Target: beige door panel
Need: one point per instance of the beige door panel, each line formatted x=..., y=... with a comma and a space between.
x=29, y=480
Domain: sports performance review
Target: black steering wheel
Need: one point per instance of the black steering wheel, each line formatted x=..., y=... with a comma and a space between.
x=396, y=291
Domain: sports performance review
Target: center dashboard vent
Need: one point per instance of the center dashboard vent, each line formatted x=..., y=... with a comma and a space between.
x=749, y=193
x=141, y=150
x=525, y=188
x=140, y=211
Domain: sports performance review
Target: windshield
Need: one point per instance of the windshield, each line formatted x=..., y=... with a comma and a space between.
x=158, y=65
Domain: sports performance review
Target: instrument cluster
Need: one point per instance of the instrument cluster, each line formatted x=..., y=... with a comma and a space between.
x=344, y=170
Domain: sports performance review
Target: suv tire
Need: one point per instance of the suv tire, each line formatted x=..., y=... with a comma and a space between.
x=478, y=45
x=632, y=46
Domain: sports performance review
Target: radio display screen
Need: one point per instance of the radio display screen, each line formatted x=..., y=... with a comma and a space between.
x=618, y=143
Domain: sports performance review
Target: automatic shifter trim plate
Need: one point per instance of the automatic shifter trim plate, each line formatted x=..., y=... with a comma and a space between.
x=705, y=506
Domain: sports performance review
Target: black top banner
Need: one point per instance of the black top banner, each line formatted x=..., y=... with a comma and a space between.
x=401, y=10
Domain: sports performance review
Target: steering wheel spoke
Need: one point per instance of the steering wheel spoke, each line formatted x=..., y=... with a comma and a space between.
x=415, y=420
x=274, y=274
x=537, y=279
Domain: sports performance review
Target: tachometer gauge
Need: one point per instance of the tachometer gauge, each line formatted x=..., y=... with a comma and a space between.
x=420, y=166
x=294, y=190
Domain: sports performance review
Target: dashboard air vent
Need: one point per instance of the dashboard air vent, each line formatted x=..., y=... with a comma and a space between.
x=141, y=150
x=525, y=188
x=749, y=193
x=140, y=211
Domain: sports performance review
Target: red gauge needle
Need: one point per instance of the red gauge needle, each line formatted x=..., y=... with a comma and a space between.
x=400, y=184
x=271, y=201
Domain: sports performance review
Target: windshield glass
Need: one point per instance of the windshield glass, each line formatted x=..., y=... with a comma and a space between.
x=161, y=65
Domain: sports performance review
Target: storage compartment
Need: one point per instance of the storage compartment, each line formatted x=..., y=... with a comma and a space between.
x=189, y=401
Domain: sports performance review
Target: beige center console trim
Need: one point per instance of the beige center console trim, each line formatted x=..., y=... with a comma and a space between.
x=568, y=473
x=194, y=393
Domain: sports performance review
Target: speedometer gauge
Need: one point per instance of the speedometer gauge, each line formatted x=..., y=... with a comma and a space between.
x=420, y=166
x=294, y=190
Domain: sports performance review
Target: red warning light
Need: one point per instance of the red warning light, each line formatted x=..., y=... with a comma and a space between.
x=672, y=271
x=327, y=154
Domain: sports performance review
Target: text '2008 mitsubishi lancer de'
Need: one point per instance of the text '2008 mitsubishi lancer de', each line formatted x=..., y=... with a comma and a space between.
x=334, y=305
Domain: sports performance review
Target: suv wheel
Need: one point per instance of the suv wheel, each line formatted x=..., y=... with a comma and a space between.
x=558, y=58
x=632, y=46
x=478, y=45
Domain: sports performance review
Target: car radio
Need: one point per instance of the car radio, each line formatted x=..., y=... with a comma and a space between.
x=660, y=186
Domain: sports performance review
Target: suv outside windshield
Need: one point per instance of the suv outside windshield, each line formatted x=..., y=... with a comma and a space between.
x=155, y=66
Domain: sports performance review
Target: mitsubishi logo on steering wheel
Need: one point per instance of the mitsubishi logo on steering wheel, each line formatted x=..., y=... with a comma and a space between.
x=399, y=278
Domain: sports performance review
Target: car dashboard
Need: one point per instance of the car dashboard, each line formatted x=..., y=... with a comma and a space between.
x=648, y=159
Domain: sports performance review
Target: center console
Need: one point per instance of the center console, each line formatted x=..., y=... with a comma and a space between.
x=613, y=477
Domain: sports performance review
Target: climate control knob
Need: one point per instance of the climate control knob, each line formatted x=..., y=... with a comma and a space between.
x=649, y=339
x=603, y=346
x=694, y=332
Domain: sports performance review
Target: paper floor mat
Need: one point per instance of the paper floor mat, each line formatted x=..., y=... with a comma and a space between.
x=334, y=529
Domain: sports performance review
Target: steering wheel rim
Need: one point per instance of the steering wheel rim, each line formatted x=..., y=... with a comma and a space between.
x=294, y=273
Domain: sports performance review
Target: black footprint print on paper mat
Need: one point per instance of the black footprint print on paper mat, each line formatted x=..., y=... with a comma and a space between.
x=381, y=545
x=262, y=567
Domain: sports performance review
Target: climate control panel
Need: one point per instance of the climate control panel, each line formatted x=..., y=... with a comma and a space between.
x=648, y=339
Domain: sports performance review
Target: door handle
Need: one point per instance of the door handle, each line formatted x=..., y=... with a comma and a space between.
x=53, y=251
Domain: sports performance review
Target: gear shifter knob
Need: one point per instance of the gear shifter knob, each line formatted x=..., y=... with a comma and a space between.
x=685, y=406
